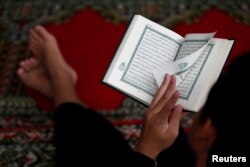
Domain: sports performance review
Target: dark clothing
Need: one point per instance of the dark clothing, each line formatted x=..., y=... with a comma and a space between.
x=85, y=138
x=178, y=155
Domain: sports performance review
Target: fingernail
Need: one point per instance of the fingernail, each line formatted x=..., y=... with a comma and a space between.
x=172, y=76
x=179, y=108
x=177, y=94
x=166, y=75
x=173, y=79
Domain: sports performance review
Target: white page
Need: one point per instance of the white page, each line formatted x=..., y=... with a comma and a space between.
x=147, y=46
x=153, y=51
x=187, y=56
x=186, y=86
x=216, y=59
x=129, y=74
x=204, y=75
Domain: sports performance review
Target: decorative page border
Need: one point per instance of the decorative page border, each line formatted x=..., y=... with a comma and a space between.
x=147, y=28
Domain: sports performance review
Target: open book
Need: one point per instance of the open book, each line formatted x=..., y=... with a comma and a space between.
x=149, y=50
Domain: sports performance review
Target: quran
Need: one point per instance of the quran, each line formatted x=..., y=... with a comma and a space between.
x=148, y=51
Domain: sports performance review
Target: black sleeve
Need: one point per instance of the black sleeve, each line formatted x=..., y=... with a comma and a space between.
x=143, y=160
x=179, y=154
x=83, y=137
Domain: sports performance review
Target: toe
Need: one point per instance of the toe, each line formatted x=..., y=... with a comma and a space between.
x=21, y=73
x=23, y=65
x=41, y=31
x=34, y=37
x=35, y=47
x=33, y=62
x=26, y=65
x=30, y=64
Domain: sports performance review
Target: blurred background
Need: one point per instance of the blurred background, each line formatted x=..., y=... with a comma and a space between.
x=88, y=33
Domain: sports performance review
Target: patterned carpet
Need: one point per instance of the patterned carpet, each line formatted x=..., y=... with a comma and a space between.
x=26, y=131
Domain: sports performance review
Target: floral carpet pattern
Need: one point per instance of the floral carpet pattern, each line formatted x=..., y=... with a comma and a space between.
x=26, y=133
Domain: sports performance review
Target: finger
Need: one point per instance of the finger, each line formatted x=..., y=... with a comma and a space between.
x=169, y=106
x=174, y=122
x=161, y=90
x=166, y=95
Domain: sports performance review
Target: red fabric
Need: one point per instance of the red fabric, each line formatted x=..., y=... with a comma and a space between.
x=88, y=43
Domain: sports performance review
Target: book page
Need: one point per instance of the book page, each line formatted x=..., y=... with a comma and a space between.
x=190, y=46
x=186, y=79
x=186, y=86
x=148, y=45
x=199, y=80
x=153, y=50
x=211, y=69
x=145, y=46
x=192, y=43
x=190, y=51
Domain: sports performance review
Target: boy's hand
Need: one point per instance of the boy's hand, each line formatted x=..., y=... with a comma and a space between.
x=162, y=119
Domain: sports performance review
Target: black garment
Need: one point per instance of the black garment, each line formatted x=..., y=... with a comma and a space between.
x=85, y=138
x=177, y=155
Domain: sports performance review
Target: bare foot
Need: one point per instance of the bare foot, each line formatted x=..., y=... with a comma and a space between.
x=45, y=46
x=62, y=76
x=32, y=73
